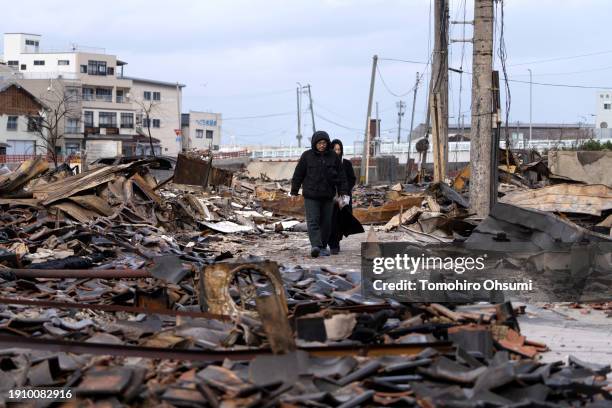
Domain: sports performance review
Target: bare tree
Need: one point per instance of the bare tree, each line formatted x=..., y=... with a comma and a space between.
x=50, y=124
x=147, y=108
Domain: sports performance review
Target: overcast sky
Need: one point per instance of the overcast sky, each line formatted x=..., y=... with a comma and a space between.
x=243, y=58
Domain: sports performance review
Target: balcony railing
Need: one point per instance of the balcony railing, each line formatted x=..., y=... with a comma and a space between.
x=104, y=98
x=19, y=158
x=73, y=129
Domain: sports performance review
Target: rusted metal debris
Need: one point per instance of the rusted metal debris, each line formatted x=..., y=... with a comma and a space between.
x=110, y=285
x=195, y=168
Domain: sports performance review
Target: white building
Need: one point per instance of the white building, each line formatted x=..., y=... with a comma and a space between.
x=201, y=130
x=114, y=107
x=603, y=118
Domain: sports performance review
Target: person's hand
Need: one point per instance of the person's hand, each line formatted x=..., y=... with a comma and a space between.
x=343, y=201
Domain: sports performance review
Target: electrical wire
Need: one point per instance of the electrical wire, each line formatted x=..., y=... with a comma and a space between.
x=402, y=60
x=548, y=83
x=271, y=115
x=562, y=58
x=336, y=123
x=503, y=57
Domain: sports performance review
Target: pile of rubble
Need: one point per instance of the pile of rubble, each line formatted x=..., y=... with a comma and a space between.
x=110, y=285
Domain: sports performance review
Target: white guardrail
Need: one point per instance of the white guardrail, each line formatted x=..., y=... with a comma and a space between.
x=391, y=148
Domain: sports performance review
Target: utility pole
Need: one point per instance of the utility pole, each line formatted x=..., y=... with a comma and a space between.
x=530, y=104
x=414, y=98
x=438, y=93
x=377, y=138
x=400, y=112
x=482, y=109
x=311, y=111
x=299, y=114
x=365, y=158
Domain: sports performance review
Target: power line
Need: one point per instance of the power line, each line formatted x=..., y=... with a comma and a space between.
x=543, y=83
x=562, y=58
x=271, y=115
x=389, y=89
x=336, y=123
x=402, y=60
x=569, y=73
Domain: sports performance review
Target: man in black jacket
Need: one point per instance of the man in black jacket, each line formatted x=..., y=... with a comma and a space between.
x=336, y=233
x=321, y=176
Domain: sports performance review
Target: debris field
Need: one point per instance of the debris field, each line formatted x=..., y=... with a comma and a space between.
x=134, y=291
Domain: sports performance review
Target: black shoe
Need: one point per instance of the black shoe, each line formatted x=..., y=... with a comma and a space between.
x=334, y=251
x=314, y=252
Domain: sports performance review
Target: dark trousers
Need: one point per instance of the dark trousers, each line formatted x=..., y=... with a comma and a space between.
x=318, y=220
x=335, y=235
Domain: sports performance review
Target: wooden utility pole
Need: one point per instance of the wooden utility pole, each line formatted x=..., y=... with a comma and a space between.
x=482, y=109
x=365, y=158
x=414, y=97
x=438, y=91
x=314, y=129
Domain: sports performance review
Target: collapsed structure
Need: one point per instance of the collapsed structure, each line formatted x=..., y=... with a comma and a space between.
x=124, y=288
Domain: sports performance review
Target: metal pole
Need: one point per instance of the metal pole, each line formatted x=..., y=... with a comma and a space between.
x=530, y=103
x=363, y=178
x=401, y=106
x=299, y=115
x=311, y=111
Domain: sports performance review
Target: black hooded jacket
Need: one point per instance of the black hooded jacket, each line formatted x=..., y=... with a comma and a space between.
x=347, y=165
x=320, y=174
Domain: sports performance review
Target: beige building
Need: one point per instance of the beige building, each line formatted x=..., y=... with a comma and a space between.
x=113, y=107
x=201, y=130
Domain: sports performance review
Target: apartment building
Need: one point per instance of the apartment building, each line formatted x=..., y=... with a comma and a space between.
x=117, y=111
x=201, y=130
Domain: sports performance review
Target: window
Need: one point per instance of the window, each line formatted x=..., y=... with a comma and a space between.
x=104, y=94
x=108, y=119
x=607, y=106
x=96, y=67
x=146, y=122
x=72, y=93
x=88, y=94
x=156, y=123
x=603, y=125
x=110, y=71
x=73, y=148
x=209, y=134
x=215, y=147
x=63, y=62
x=119, y=94
x=127, y=120
x=147, y=95
x=199, y=134
x=88, y=118
x=83, y=69
x=39, y=62
x=32, y=42
x=23, y=67
x=11, y=124
x=72, y=125
x=156, y=96
x=12, y=63
x=34, y=123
